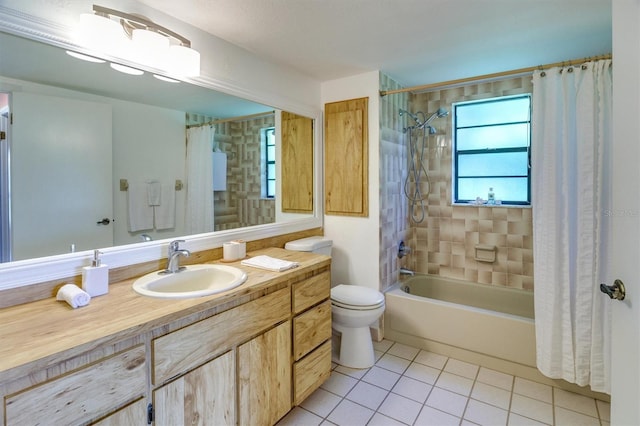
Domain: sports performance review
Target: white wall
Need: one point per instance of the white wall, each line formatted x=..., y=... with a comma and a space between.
x=356, y=240
x=148, y=144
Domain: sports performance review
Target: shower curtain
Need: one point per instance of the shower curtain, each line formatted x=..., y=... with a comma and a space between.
x=570, y=150
x=199, y=166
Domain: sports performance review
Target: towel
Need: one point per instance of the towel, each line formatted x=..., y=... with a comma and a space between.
x=269, y=263
x=219, y=171
x=154, y=190
x=140, y=212
x=165, y=213
x=73, y=295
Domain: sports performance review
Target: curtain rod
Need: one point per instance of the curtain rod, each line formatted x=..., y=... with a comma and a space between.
x=224, y=120
x=527, y=70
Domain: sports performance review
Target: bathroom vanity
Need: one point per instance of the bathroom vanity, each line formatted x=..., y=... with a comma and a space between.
x=245, y=356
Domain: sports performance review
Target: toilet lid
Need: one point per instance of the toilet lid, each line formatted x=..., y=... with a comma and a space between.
x=353, y=295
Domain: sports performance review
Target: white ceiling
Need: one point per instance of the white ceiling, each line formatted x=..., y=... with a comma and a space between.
x=413, y=41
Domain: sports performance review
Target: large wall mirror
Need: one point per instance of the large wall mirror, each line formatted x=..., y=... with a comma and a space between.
x=87, y=143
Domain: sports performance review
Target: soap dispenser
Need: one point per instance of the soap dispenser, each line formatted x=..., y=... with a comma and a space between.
x=95, y=278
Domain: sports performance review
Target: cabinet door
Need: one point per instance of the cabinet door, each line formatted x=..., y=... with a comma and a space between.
x=82, y=395
x=264, y=369
x=346, y=158
x=297, y=163
x=205, y=396
x=132, y=414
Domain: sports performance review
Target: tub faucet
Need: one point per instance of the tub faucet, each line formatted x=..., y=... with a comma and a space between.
x=173, y=257
x=405, y=271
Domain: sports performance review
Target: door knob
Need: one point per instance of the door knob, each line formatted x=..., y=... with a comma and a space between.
x=615, y=291
x=104, y=221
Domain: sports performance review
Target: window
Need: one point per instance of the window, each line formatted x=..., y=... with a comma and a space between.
x=268, y=136
x=491, y=150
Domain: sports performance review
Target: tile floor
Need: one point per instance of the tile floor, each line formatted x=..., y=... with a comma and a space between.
x=409, y=386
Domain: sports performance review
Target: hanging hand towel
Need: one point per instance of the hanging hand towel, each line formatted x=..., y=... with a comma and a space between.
x=165, y=213
x=269, y=263
x=154, y=190
x=140, y=212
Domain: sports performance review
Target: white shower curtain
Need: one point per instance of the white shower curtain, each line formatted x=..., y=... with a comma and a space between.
x=199, y=165
x=570, y=151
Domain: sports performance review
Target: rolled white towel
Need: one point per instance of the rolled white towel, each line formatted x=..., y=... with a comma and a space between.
x=73, y=295
x=269, y=263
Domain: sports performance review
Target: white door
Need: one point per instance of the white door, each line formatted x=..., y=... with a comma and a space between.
x=625, y=367
x=61, y=168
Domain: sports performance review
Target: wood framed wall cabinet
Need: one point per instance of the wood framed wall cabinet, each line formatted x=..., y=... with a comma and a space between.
x=346, y=157
x=297, y=163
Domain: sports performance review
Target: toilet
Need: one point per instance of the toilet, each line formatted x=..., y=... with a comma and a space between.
x=353, y=309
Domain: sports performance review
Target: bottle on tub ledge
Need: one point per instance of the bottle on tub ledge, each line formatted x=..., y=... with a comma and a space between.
x=491, y=197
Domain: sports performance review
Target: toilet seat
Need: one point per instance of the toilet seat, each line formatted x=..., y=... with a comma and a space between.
x=356, y=297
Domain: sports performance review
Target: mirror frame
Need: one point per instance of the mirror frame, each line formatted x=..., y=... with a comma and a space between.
x=32, y=271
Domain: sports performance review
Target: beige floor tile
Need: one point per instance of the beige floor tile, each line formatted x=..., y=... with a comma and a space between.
x=455, y=383
x=485, y=414
x=432, y=417
x=491, y=395
x=533, y=390
x=349, y=413
x=532, y=408
x=447, y=401
x=566, y=417
x=393, y=363
x=431, y=359
x=461, y=368
x=495, y=378
x=400, y=408
x=573, y=401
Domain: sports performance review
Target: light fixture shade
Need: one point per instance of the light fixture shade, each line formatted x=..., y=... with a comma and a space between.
x=151, y=48
x=183, y=61
x=102, y=34
x=125, y=69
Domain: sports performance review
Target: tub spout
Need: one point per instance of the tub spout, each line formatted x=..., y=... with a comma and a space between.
x=405, y=271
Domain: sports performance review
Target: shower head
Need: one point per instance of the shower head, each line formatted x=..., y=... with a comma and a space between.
x=441, y=112
x=414, y=116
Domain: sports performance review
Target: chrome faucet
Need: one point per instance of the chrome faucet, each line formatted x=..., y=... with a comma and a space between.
x=173, y=258
x=405, y=271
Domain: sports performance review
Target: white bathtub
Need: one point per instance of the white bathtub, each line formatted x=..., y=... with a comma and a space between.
x=447, y=315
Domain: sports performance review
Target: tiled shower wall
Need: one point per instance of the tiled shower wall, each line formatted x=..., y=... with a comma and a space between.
x=444, y=243
x=394, y=226
x=241, y=204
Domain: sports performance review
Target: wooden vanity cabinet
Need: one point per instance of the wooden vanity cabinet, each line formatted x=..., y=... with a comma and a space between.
x=247, y=365
x=311, y=334
x=85, y=394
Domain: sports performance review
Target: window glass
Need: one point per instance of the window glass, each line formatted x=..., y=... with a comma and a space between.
x=492, y=150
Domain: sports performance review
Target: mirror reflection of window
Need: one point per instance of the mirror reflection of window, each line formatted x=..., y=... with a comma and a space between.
x=268, y=137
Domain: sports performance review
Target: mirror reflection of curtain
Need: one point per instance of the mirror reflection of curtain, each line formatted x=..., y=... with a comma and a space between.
x=199, y=168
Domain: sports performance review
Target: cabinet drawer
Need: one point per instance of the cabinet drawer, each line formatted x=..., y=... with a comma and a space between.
x=311, y=371
x=311, y=291
x=191, y=346
x=311, y=329
x=84, y=394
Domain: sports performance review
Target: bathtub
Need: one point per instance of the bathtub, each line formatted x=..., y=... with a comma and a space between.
x=464, y=319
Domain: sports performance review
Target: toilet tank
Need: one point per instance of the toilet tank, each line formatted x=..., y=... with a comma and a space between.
x=319, y=245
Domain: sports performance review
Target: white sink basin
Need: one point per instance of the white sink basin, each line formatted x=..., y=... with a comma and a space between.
x=192, y=281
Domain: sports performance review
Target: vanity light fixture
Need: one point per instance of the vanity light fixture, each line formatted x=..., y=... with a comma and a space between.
x=85, y=57
x=138, y=39
x=166, y=79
